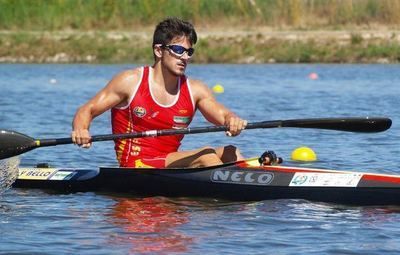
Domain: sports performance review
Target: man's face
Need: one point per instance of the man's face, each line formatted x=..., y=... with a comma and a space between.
x=174, y=62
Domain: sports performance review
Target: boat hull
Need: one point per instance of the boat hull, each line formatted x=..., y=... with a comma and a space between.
x=237, y=182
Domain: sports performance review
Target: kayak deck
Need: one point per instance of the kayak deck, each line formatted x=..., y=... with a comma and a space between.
x=234, y=181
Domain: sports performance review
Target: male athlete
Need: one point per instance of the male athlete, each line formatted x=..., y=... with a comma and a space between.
x=160, y=97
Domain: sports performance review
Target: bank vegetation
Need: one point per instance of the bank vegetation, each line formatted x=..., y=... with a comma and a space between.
x=231, y=31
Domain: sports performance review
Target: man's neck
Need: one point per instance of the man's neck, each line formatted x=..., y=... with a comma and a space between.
x=163, y=78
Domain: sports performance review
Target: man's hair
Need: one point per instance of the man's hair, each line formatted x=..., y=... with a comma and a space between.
x=170, y=28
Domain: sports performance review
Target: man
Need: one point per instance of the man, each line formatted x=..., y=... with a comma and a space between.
x=160, y=97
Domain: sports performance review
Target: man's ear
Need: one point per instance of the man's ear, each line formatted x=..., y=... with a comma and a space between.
x=157, y=51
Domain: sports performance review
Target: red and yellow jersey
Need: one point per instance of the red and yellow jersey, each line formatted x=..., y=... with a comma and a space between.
x=144, y=113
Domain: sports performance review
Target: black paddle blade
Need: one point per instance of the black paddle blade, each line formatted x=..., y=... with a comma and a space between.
x=352, y=124
x=13, y=143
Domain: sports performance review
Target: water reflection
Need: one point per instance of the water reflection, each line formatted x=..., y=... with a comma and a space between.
x=152, y=225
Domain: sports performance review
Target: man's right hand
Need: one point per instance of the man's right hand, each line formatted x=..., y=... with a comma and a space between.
x=81, y=137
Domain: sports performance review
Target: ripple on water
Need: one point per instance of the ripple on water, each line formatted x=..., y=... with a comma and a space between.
x=8, y=172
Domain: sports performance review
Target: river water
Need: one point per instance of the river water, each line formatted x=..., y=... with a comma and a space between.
x=40, y=101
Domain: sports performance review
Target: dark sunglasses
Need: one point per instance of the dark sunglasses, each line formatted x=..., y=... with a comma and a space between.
x=179, y=50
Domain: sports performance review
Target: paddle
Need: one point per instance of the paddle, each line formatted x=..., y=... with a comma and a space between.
x=13, y=143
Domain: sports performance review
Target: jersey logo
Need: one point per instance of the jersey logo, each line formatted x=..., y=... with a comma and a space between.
x=139, y=111
x=182, y=119
x=152, y=114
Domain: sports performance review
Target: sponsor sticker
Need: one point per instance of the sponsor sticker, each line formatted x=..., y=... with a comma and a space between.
x=139, y=111
x=182, y=119
x=179, y=126
x=325, y=179
x=36, y=173
x=62, y=175
x=242, y=177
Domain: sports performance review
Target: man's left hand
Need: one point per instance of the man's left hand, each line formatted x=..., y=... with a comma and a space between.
x=235, y=125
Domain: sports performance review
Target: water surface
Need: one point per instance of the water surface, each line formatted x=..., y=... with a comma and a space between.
x=40, y=100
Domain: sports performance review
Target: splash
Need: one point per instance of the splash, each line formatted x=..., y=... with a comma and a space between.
x=8, y=172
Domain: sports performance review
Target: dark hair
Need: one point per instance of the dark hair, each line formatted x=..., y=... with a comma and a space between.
x=169, y=28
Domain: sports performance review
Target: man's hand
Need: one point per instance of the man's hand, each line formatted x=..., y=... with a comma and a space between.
x=235, y=125
x=81, y=137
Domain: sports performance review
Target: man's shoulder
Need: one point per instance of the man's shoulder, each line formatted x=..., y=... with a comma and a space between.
x=134, y=73
x=197, y=84
x=124, y=81
x=199, y=89
x=127, y=77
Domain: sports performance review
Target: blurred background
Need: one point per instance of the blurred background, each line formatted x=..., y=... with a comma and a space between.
x=230, y=31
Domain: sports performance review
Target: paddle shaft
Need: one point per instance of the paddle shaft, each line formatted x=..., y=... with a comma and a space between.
x=150, y=133
x=13, y=143
x=365, y=125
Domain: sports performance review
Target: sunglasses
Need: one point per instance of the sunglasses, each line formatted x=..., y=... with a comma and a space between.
x=179, y=50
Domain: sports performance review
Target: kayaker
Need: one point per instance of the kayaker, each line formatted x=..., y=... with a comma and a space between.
x=160, y=97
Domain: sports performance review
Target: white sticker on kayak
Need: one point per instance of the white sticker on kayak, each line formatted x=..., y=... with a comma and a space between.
x=36, y=173
x=325, y=179
x=62, y=175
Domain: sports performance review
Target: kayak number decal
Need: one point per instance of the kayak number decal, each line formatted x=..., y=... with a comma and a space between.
x=242, y=177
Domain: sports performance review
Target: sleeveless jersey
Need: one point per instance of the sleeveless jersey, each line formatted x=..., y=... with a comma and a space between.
x=144, y=113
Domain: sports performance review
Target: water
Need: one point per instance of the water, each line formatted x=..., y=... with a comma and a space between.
x=8, y=172
x=42, y=222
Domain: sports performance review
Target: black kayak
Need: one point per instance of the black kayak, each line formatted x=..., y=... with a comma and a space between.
x=239, y=181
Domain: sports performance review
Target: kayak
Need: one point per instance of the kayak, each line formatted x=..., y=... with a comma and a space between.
x=241, y=181
x=237, y=181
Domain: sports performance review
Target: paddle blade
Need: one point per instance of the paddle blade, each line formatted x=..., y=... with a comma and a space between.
x=353, y=124
x=13, y=143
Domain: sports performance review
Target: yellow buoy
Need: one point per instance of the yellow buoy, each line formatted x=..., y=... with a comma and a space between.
x=218, y=89
x=304, y=154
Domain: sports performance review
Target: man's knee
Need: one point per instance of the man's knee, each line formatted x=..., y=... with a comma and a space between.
x=206, y=150
x=231, y=149
x=207, y=156
x=231, y=153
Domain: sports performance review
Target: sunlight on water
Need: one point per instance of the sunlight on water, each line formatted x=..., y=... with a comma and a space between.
x=8, y=172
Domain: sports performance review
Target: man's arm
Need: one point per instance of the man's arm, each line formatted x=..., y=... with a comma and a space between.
x=214, y=111
x=116, y=93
